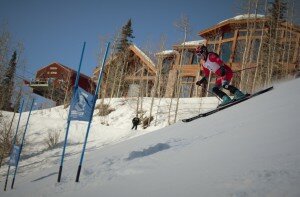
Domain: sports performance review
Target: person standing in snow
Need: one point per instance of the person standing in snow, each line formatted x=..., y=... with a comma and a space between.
x=211, y=62
x=135, y=122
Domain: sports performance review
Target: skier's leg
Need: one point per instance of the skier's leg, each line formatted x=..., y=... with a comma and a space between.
x=235, y=91
x=225, y=98
x=232, y=89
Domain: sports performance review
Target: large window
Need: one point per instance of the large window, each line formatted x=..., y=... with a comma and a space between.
x=212, y=47
x=195, y=60
x=255, y=49
x=257, y=33
x=227, y=35
x=167, y=65
x=186, y=57
x=242, y=33
x=225, y=51
x=187, y=87
x=239, y=50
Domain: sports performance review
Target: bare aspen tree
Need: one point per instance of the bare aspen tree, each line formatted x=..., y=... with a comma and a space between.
x=156, y=88
x=6, y=131
x=103, y=89
x=247, y=44
x=290, y=20
x=68, y=90
x=258, y=61
x=250, y=48
x=277, y=14
x=274, y=51
x=5, y=50
x=183, y=25
x=111, y=75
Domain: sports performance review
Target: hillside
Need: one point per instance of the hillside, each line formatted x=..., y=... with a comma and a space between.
x=251, y=149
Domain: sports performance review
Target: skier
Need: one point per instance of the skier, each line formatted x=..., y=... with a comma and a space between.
x=211, y=62
x=135, y=122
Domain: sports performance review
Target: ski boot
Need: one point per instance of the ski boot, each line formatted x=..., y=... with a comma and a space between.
x=239, y=95
x=225, y=100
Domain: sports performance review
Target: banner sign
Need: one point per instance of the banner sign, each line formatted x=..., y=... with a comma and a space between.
x=14, y=156
x=81, y=105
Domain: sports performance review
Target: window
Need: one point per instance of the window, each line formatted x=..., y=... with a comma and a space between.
x=255, y=49
x=239, y=50
x=167, y=65
x=187, y=87
x=186, y=57
x=290, y=51
x=212, y=47
x=227, y=35
x=257, y=33
x=242, y=33
x=213, y=38
x=225, y=51
x=53, y=68
x=195, y=60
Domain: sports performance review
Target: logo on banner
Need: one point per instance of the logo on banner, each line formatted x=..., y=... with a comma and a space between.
x=81, y=105
x=14, y=156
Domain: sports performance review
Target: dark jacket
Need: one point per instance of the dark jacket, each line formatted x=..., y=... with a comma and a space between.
x=135, y=121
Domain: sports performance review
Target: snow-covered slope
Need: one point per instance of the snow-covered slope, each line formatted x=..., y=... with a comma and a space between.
x=252, y=149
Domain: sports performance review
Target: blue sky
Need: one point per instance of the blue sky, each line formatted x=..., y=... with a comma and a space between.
x=54, y=30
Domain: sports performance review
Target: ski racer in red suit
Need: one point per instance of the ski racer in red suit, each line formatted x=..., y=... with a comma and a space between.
x=211, y=62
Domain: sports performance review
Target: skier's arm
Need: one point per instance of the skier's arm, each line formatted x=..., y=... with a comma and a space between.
x=213, y=57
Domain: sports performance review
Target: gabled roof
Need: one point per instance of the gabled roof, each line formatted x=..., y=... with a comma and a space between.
x=138, y=52
x=144, y=58
x=235, y=20
x=66, y=68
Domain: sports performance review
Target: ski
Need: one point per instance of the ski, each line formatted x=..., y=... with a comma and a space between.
x=227, y=105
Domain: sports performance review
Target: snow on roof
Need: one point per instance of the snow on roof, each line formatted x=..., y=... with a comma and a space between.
x=166, y=52
x=194, y=42
x=244, y=16
x=144, y=55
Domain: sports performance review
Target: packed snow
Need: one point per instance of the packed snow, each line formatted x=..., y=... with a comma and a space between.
x=243, y=17
x=251, y=149
x=193, y=43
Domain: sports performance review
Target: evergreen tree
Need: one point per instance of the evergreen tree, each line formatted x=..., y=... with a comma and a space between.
x=7, y=84
x=125, y=37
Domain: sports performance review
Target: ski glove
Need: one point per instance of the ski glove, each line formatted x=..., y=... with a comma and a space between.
x=203, y=80
x=223, y=71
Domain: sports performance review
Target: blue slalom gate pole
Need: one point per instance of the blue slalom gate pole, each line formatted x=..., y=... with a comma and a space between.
x=79, y=67
x=91, y=116
x=22, y=143
x=14, y=141
x=69, y=121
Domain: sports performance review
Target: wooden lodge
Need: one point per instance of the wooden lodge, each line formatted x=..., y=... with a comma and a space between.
x=134, y=77
x=55, y=82
x=237, y=40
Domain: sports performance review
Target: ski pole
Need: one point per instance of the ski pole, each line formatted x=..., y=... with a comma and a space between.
x=207, y=90
x=244, y=69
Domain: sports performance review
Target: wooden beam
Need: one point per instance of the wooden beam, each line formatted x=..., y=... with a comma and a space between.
x=140, y=78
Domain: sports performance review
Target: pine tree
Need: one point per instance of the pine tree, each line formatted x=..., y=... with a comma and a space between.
x=126, y=36
x=7, y=84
